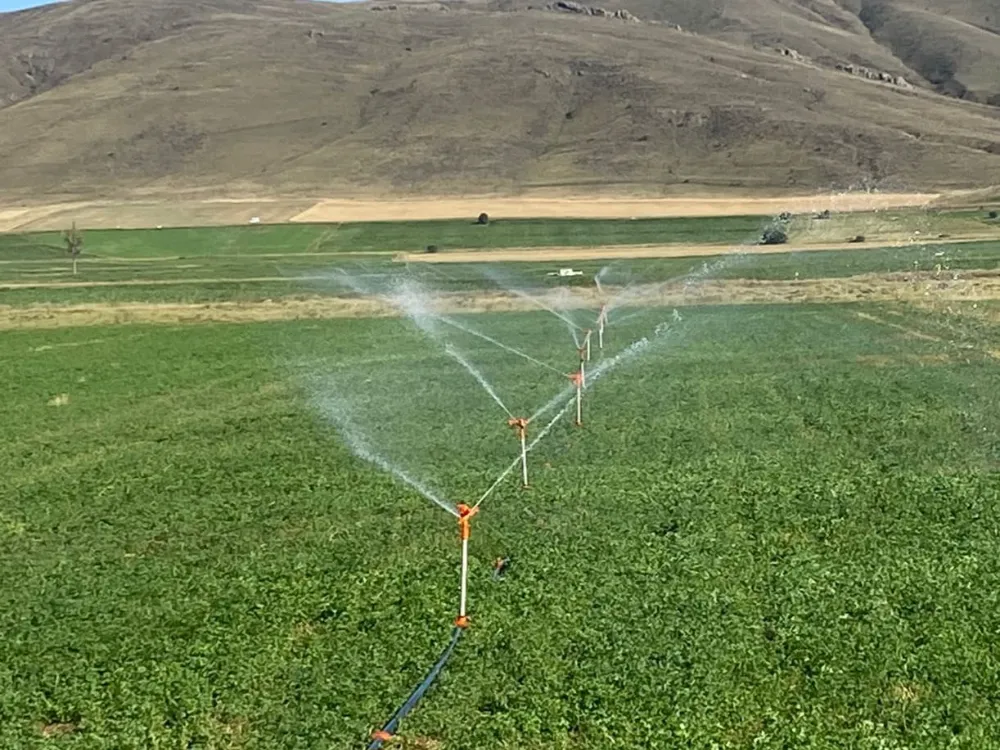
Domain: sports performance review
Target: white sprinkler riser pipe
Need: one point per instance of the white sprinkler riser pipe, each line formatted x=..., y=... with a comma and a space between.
x=524, y=459
x=600, y=337
x=579, y=405
x=583, y=376
x=465, y=577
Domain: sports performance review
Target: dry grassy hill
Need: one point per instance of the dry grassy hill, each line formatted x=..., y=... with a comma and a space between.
x=116, y=98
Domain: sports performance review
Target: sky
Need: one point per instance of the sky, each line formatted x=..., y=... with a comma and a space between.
x=6, y=5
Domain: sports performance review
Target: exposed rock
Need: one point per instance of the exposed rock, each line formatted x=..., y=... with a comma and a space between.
x=874, y=75
x=789, y=52
x=569, y=6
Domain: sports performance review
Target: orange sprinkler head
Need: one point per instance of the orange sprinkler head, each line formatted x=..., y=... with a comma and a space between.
x=576, y=378
x=518, y=423
x=462, y=621
x=465, y=514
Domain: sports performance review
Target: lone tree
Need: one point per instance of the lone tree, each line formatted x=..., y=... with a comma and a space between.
x=74, y=244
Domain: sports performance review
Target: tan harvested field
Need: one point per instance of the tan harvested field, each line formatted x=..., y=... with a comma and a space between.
x=148, y=214
x=605, y=208
x=899, y=287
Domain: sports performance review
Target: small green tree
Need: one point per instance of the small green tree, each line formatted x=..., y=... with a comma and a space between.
x=74, y=244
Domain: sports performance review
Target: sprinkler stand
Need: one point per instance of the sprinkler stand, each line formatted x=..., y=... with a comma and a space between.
x=586, y=342
x=577, y=379
x=465, y=514
x=601, y=320
x=521, y=425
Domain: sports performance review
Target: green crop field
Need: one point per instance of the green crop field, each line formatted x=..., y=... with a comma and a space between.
x=212, y=264
x=776, y=528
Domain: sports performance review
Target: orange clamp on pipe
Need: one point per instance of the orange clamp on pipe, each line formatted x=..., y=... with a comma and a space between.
x=462, y=622
x=576, y=378
x=381, y=735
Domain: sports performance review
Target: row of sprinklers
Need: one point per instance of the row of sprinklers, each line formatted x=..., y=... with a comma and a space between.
x=520, y=426
x=414, y=305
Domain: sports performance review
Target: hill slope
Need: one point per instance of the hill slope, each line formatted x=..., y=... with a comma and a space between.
x=232, y=96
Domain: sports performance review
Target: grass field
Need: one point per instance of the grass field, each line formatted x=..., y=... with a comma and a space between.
x=264, y=262
x=777, y=528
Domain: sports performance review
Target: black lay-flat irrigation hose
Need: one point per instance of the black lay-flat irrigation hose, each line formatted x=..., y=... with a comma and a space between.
x=390, y=727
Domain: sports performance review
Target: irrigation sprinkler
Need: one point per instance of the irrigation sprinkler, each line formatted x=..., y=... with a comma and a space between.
x=582, y=351
x=586, y=341
x=577, y=380
x=465, y=514
x=521, y=425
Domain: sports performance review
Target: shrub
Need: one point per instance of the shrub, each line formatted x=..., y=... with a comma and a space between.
x=432, y=248
x=483, y=219
x=992, y=214
x=857, y=238
x=773, y=236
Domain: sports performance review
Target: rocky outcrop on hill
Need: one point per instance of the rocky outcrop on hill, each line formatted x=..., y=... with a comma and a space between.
x=874, y=75
x=851, y=68
x=568, y=6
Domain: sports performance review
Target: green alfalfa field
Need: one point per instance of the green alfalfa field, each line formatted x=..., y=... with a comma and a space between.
x=777, y=528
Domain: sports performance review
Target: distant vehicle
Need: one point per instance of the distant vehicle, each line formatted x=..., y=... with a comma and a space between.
x=255, y=220
x=565, y=272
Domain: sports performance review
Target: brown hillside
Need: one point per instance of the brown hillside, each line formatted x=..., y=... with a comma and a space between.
x=233, y=96
x=957, y=51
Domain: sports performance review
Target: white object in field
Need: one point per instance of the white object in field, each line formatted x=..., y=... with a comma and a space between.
x=579, y=405
x=565, y=272
x=255, y=220
x=583, y=375
x=524, y=459
x=159, y=226
x=465, y=578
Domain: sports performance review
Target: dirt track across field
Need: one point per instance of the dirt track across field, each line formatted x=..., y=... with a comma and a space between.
x=912, y=287
x=609, y=252
x=183, y=212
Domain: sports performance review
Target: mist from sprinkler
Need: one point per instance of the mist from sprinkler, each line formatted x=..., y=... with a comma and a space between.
x=570, y=324
x=495, y=342
x=412, y=301
x=480, y=378
x=337, y=411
